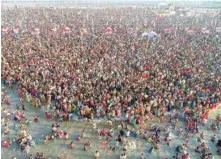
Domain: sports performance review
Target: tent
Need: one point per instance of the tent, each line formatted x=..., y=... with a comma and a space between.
x=218, y=30
x=163, y=5
x=16, y=31
x=149, y=35
x=52, y=31
x=66, y=30
x=35, y=31
x=168, y=30
x=109, y=30
x=205, y=31
x=190, y=31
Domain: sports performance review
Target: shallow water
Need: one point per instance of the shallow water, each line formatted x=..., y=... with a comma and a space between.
x=59, y=146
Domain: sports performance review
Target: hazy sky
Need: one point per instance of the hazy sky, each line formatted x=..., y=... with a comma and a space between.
x=63, y=1
x=106, y=0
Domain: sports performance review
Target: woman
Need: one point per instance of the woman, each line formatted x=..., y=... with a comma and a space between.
x=47, y=115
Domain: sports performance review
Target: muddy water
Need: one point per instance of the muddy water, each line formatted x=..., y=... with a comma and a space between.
x=60, y=146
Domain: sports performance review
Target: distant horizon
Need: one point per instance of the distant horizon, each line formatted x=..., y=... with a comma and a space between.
x=110, y=0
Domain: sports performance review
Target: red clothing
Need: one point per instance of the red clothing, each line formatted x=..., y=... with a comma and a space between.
x=206, y=115
x=4, y=144
x=48, y=115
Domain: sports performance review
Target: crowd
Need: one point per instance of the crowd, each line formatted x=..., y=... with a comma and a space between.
x=93, y=63
x=92, y=74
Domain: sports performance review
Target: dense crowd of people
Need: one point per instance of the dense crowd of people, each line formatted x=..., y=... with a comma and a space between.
x=90, y=73
x=95, y=63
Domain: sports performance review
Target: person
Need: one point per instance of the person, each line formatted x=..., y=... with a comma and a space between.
x=31, y=156
x=5, y=144
x=37, y=119
x=23, y=107
x=71, y=145
x=94, y=126
x=123, y=156
x=66, y=136
x=186, y=156
x=27, y=122
x=83, y=135
x=6, y=129
x=197, y=149
x=87, y=145
x=97, y=155
x=124, y=147
x=214, y=138
x=110, y=73
x=142, y=156
x=78, y=138
x=219, y=150
x=47, y=115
